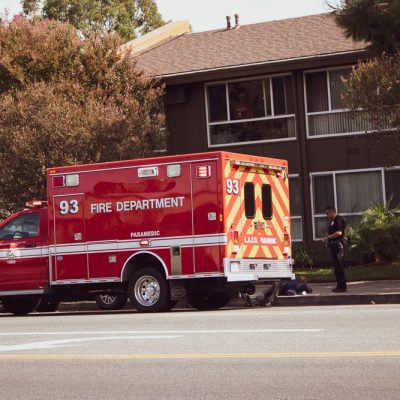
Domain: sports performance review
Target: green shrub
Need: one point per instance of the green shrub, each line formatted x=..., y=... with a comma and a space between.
x=302, y=258
x=379, y=214
x=377, y=236
x=360, y=250
x=384, y=239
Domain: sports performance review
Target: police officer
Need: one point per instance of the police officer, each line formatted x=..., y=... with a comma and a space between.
x=335, y=241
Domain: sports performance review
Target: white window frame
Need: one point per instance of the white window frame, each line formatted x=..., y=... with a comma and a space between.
x=266, y=118
x=333, y=174
x=330, y=111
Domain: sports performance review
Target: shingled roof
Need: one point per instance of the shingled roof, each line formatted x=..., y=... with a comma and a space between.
x=266, y=42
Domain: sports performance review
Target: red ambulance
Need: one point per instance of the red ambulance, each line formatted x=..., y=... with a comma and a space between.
x=203, y=226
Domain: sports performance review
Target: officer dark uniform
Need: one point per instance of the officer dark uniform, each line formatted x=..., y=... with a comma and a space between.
x=335, y=241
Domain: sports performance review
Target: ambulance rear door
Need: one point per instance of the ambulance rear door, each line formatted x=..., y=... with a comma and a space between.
x=261, y=229
x=258, y=212
x=207, y=208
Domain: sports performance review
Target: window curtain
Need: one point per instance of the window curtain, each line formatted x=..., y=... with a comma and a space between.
x=295, y=196
x=323, y=193
x=296, y=229
x=317, y=92
x=340, y=122
x=357, y=191
x=337, y=87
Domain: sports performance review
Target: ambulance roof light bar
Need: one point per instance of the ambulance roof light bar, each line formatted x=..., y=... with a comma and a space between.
x=259, y=165
x=36, y=203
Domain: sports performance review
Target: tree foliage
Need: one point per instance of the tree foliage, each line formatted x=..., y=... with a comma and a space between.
x=126, y=17
x=375, y=83
x=375, y=86
x=376, y=22
x=67, y=101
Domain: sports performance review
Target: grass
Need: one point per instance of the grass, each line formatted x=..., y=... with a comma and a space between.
x=371, y=272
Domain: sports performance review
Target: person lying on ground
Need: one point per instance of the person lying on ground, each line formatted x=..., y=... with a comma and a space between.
x=298, y=286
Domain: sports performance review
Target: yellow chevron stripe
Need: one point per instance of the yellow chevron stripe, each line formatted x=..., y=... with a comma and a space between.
x=227, y=170
x=280, y=190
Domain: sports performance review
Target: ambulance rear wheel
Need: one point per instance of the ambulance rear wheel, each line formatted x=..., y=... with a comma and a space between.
x=107, y=301
x=20, y=305
x=148, y=291
x=207, y=300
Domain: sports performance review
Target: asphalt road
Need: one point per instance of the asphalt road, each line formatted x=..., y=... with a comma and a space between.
x=286, y=353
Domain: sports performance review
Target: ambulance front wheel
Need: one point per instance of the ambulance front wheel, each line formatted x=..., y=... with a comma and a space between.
x=148, y=291
x=20, y=305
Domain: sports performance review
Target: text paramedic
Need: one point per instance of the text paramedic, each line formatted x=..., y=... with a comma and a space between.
x=136, y=205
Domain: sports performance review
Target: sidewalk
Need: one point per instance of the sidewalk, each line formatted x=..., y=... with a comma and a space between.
x=368, y=292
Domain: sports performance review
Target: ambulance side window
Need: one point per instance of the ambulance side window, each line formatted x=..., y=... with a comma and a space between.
x=23, y=226
x=266, y=194
x=249, y=200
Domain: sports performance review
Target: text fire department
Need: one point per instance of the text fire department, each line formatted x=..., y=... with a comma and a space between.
x=134, y=205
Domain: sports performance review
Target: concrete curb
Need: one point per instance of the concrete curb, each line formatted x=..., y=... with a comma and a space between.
x=282, y=301
x=337, y=300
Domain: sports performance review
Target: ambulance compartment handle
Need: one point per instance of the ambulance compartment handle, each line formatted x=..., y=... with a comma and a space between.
x=31, y=245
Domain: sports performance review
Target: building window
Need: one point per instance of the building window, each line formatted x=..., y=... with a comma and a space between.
x=295, y=196
x=326, y=112
x=158, y=142
x=246, y=100
x=253, y=110
x=392, y=186
x=217, y=103
x=351, y=192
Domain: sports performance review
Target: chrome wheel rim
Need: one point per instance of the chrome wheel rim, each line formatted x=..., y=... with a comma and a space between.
x=107, y=298
x=147, y=290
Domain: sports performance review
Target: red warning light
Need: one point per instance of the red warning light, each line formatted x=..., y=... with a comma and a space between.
x=58, y=181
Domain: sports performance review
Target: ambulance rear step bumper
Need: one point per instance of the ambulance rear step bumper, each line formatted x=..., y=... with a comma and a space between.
x=250, y=269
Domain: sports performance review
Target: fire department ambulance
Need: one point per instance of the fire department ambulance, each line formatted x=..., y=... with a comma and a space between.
x=202, y=225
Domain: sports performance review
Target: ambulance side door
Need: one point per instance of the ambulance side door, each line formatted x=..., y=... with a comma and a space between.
x=206, y=217
x=22, y=261
x=70, y=251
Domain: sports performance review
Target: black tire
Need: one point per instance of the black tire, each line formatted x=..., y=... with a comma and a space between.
x=111, y=301
x=149, y=291
x=20, y=305
x=48, y=304
x=207, y=300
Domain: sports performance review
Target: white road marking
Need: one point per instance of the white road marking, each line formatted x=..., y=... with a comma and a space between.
x=251, y=331
x=50, y=344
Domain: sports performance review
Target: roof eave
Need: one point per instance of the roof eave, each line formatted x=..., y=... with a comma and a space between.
x=195, y=75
